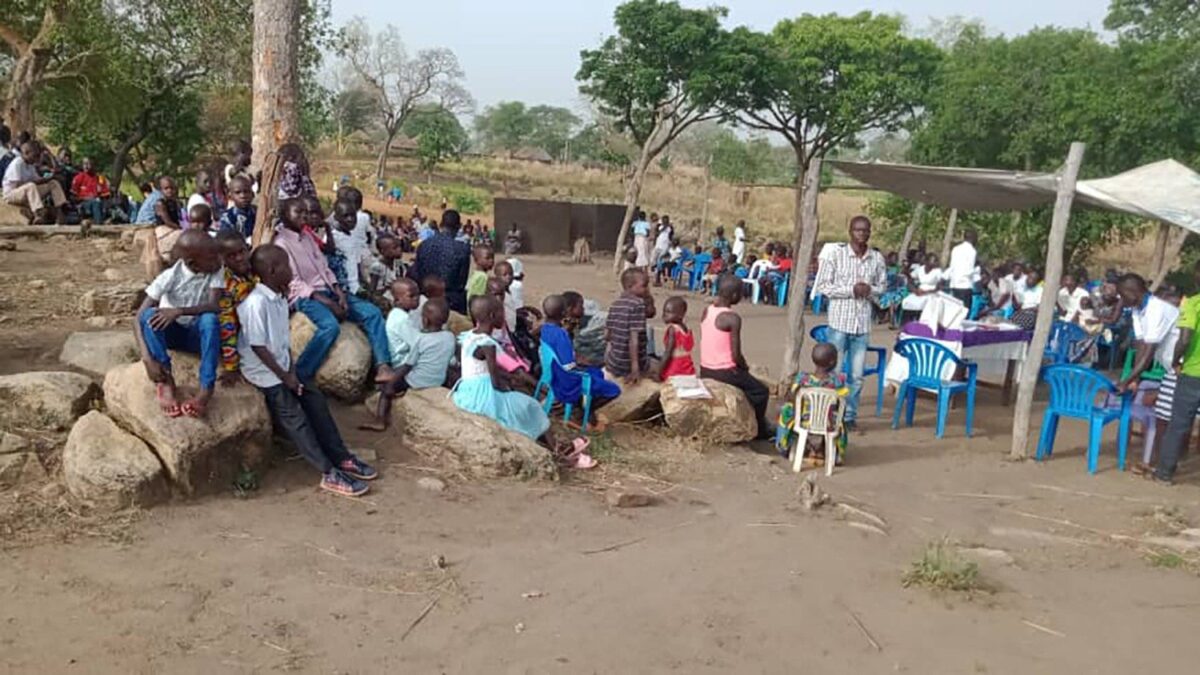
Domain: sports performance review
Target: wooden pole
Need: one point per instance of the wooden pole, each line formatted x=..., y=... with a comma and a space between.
x=805, y=241
x=1041, y=333
x=1172, y=247
x=704, y=208
x=949, y=238
x=917, y=215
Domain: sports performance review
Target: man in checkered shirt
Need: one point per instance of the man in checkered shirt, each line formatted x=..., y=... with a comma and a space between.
x=850, y=275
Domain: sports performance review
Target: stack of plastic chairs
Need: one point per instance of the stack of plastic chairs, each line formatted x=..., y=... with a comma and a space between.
x=1074, y=391
x=928, y=364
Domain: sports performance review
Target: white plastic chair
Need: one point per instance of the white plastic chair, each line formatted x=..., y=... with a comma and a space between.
x=752, y=280
x=819, y=402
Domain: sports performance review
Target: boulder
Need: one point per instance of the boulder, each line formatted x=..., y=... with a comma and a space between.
x=119, y=299
x=12, y=443
x=464, y=442
x=108, y=467
x=637, y=403
x=344, y=373
x=96, y=352
x=47, y=401
x=199, y=455
x=22, y=468
x=725, y=418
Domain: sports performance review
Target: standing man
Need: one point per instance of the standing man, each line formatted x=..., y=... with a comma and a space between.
x=960, y=269
x=443, y=256
x=851, y=275
x=1154, y=333
x=739, y=241
x=24, y=185
x=1185, y=372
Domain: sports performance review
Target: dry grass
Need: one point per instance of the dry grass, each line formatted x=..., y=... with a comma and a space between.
x=32, y=518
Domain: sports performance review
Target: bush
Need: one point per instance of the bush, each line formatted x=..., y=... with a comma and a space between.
x=466, y=199
x=941, y=568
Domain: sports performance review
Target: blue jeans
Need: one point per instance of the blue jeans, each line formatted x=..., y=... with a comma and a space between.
x=202, y=336
x=367, y=316
x=94, y=209
x=851, y=349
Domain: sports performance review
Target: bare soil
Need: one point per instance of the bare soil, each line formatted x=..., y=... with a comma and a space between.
x=728, y=573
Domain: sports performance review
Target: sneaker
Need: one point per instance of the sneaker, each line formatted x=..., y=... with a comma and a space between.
x=340, y=484
x=358, y=469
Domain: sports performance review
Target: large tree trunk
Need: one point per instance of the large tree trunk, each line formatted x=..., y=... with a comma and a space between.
x=804, y=241
x=381, y=162
x=633, y=192
x=1041, y=333
x=917, y=214
x=30, y=60
x=948, y=240
x=276, y=118
x=116, y=172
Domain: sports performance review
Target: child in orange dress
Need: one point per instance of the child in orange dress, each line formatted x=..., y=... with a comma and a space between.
x=678, y=341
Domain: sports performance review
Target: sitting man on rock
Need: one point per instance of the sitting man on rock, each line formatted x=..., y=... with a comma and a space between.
x=24, y=184
x=297, y=407
x=180, y=312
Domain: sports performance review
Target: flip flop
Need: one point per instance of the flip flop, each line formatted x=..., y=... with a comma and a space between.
x=578, y=447
x=172, y=409
x=584, y=461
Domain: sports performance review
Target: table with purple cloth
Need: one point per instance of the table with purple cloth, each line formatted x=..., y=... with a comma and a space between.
x=999, y=351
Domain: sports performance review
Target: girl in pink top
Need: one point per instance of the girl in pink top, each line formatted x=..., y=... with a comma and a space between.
x=721, y=356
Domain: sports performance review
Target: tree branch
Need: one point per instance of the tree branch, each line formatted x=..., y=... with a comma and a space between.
x=17, y=43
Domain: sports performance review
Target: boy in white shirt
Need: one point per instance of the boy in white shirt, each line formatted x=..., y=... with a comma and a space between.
x=298, y=409
x=180, y=312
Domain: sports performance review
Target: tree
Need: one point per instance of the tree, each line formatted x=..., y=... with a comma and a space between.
x=598, y=143
x=352, y=109
x=439, y=136
x=552, y=128
x=661, y=73
x=505, y=126
x=32, y=40
x=819, y=81
x=401, y=84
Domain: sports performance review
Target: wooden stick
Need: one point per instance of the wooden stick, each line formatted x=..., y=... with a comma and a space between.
x=770, y=525
x=1045, y=316
x=420, y=617
x=862, y=627
x=977, y=495
x=1048, y=631
x=614, y=547
x=1080, y=493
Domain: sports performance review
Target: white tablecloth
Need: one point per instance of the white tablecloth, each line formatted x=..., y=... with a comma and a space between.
x=992, y=359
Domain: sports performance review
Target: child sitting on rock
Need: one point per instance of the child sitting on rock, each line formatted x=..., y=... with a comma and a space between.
x=678, y=341
x=297, y=407
x=567, y=379
x=721, y=357
x=239, y=281
x=243, y=214
x=425, y=363
x=161, y=209
x=485, y=259
x=825, y=375
x=627, y=353
x=180, y=312
x=484, y=390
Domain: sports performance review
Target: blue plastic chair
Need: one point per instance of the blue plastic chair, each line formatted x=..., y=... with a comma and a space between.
x=1063, y=337
x=927, y=360
x=978, y=304
x=1076, y=391
x=699, y=267
x=781, y=290
x=677, y=273
x=819, y=304
x=821, y=334
x=549, y=363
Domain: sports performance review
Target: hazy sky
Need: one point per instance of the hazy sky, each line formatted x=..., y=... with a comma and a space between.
x=528, y=50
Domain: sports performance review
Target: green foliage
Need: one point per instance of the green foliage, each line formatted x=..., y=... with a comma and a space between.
x=466, y=199
x=510, y=125
x=941, y=568
x=596, y=145
x=439, y=135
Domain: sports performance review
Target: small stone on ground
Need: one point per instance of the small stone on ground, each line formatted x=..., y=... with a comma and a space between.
x=432, y=484
x=627, y=499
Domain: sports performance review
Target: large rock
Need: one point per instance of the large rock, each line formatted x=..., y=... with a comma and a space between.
x=98, y=351
x=723, y=419
x=118, y=299
x=198, y=454
x=22, y=468
x=12, y=443
x=48, y=401
x=635, y=404
x=469, y=443
x=109, y=467
x=344, y=373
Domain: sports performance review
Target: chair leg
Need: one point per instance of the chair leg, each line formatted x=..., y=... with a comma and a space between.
x=567, y=408
x=1149, y=432
x=1095, y=435
x=801, y=444
x=943, y=411
x=901, y=394
x=1123, y=440
x=549, y=403
x=587, y=411
x=970, y=411
x=1046, y=438
x=879, y=395
x=830, y=453
x=911, y=403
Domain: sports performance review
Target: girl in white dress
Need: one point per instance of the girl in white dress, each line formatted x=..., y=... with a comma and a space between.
x=924, y=282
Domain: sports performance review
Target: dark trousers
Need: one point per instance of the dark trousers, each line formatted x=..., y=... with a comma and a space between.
x=1183, y=413
x=756, y=392
x=308, y=424
x=964, y=295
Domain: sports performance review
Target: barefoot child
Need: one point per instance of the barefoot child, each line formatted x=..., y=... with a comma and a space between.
x=242, y=216
x=239, y=281
x=826, y=376
x=678, y=341
x=180, y=312
x=297, y=407
x=424, y=364
x=162, y=210
x=721, y=357
x=626, y=354
x=566, y=380
x=484, y=390
x=485, y=260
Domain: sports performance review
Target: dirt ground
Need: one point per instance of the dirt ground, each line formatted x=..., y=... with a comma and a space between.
x=726, y=574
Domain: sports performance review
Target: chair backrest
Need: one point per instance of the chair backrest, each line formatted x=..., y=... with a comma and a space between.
x=927, y=361
x=1074, y=390
x=548, y=360
x=1062, y=336
x=819, y=403
x=820, y=333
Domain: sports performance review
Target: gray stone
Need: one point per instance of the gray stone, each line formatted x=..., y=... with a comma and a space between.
x=629, y=499
x=48, y=401
x=432, y=484
x=637, y=403
x=344, y=373
x=124, y=298
x=111, y=274
x=199, y=454
x=22, y=468
x=108, y=467
x=37, y=284
x=12, y=443
x=726, y=418
x=366, y=454
x=97, y=352
x=987, y=555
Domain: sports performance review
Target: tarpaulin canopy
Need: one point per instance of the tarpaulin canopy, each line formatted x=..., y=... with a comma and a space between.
x=1166, y=191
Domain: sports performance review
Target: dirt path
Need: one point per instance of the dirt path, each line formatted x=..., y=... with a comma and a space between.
x=727, y=574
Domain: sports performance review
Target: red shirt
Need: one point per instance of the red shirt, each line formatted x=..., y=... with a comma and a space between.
x=785, y=265
x=89, y=186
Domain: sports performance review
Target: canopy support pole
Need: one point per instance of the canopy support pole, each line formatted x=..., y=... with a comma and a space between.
x=1030, y=370
x=917, y=215
x=805, y=242
x=949, y=238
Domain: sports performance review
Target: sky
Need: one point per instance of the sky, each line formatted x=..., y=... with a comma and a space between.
x=528, y=50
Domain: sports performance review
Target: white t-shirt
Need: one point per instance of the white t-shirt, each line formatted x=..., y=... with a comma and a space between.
x=263, y=317
x=1068, y=302
x=1154, y=323
x=1018, y=286
x=353, y=245
x=960, y=272
x=17, y=174
x=402, y=328
x=1031, y=298
x=739, y=242
x=179, y=287
x=928, y=279
x=641, y=228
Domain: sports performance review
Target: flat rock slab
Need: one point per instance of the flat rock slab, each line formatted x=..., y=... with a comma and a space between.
x=635, y=404
x=46, y=401
x=96, y=352
x=344, y=373
x=199, y=455
x=629, y=499
x=124, y=298
x=109, y=467
x=724, y=419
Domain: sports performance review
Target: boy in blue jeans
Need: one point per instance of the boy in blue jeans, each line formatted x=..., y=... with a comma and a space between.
x=314, y=290
x=180, y=312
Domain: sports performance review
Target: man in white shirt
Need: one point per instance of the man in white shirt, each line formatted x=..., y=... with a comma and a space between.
x=1154, y=334
x=739, y=241
x=24, y=186
x=1069, y=298
x=961, y=269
